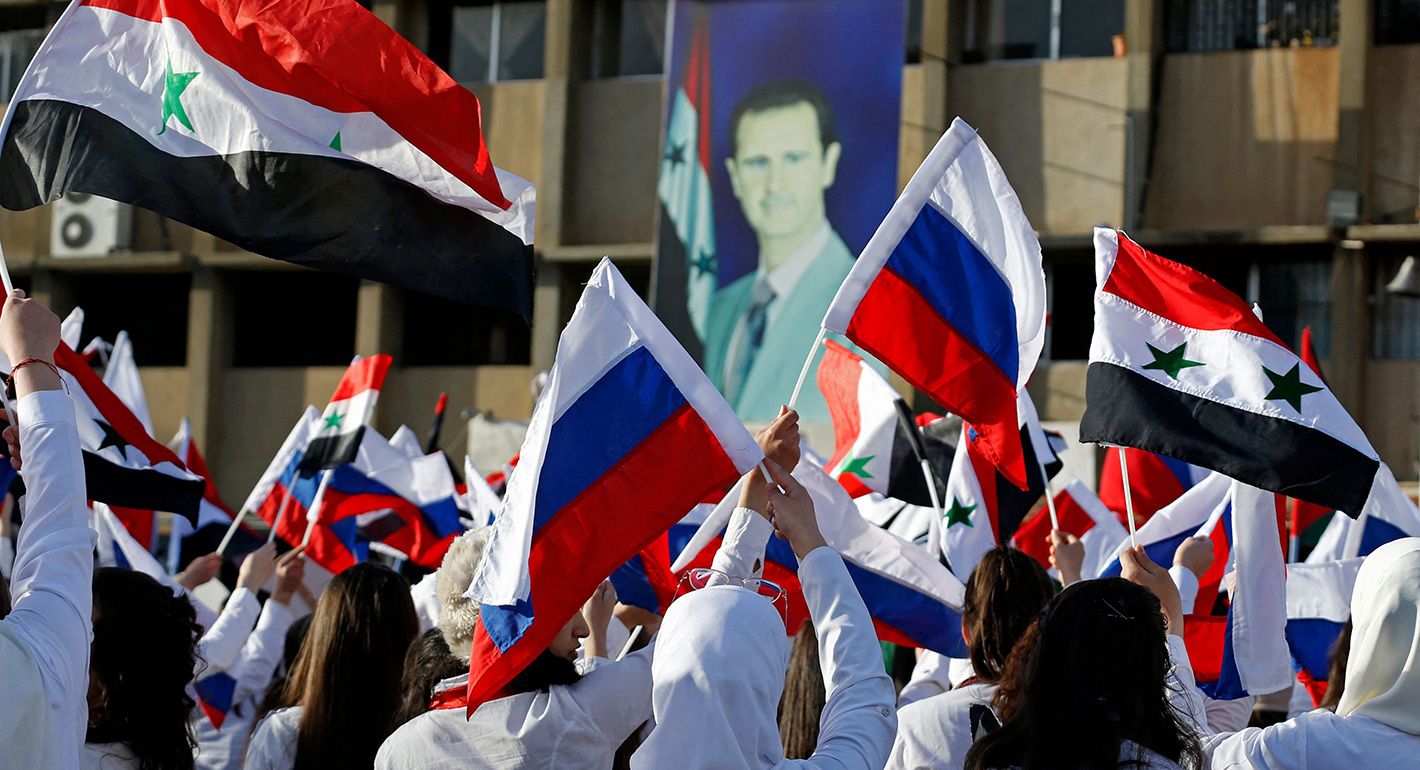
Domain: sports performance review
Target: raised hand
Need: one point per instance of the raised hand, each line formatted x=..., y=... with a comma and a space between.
x=1067, y=556
x=257, y=568
x=1137, y=567
x=791, y=511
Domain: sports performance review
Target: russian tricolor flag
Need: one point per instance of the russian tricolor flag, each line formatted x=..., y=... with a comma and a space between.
x=1387, y=515
x=1245, y=652
x=1318, y=605
x=950, y=292
x=627, y=436
x=418, y=493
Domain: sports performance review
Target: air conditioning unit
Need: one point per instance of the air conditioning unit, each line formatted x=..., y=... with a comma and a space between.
x=83, y=225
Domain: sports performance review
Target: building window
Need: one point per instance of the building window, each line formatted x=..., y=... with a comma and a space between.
x=914, y=31
x=1220, y=25
x=628, y=38
x=1294, y=295
x=486, y=42
x=1041, y=29
x=291, y=319
x=441, y=332
x=22, y=29
x=159, y=332
x=1397, y=21
x=1396, y=330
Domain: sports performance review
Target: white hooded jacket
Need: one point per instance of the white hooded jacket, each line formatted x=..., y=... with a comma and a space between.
x=1377, y=723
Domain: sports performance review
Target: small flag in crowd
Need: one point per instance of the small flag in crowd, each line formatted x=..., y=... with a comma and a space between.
x=406, y=442
x=121, y=376
x=1318, y=606
x=1389, y=515
x=215, y=695
x=877, y=444
x=282, y=496
x=1154, y=481
x=1080, y=514
x=1245, y=652
x=627, y=437
x=418, y=494
x=950, y=292
x=123, y=465
x=336, y=439
x=271, y=126
x=481, y=502
x=1181, y=366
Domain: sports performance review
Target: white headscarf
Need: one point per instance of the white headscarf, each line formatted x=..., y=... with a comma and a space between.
x=1383, y=669
x=721, y=657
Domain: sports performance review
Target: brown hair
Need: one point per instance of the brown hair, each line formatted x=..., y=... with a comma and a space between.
x=1336, y=672
x=1004, y=594
x=804, y=696
x=347, y=675
x=427, y=663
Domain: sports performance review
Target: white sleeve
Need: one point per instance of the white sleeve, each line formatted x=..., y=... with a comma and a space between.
x=1184, y=695
x=617, y=693
x=1187, y=584
x=741, y=553
x=929, y=677
x=222, y=643
x=263, y=649
x=859, y=722
x=1282, y=746
x=7, y=554
x=52, y=585
x=1227, y=716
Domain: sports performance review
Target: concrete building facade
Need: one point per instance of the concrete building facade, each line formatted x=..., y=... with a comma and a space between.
x=1276, y=146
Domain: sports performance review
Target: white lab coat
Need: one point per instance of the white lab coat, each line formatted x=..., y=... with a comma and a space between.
x=719, y=672
x=1377, y=723
x=44, y=643
x=223, y=749
x=937, y=732
x=221, y=644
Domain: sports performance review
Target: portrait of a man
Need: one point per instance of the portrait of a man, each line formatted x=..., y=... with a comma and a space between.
x=784, y=154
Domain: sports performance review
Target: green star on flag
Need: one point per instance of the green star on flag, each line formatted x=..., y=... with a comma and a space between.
x=1170, y=363
x=174, y=83
x=1289, y=387
x=958, y=513
x=857, y=466
x=335, y=143
x=333, y=421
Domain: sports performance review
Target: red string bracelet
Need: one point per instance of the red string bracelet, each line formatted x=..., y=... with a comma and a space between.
x=52, y=367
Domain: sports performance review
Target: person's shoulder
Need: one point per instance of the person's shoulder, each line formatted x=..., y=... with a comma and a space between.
x=960, y=707
x=278, y=724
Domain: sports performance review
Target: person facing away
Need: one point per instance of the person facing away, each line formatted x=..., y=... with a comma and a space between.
x=1105, y=682
x=1377, y=719
x=722, y=655
x=427, y=663
x=784, y=152
x=1004, y=595
x=144, y=653
x=44, y=638
x=340, y=699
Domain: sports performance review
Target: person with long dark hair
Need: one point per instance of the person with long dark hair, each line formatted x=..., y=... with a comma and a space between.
x=804, y=696
x=1105, y=683
x=340, y=699
x=1004, y=595
x=144, y=653
x=44, y=639
x=1376, y=722
x=427, y=663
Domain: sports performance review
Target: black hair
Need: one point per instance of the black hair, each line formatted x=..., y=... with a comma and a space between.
x=1095, y=674
x=144, y=654
x=1004, y=595
x=427, y=663
x=543, y=672
x=777, y=94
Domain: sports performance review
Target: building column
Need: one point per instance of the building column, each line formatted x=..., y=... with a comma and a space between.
x=1353, y=141
x=547, y=311
x=379, y=320
x=1144, y=42
x=209, y=353
x=1350, y=327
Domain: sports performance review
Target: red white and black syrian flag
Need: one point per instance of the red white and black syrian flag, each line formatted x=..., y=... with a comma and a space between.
x=877, y=444
x=123, y=465
x=302, y=130
x=335, y=439
x=1182, y=367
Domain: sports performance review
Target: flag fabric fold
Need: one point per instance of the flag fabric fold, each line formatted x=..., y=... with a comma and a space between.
x=1318, y=606
x=336, y=440
x=1182, y=367
x=271, y=126
x=1081, y=514
x=1388, y=515
x=627, y=436
x=1154, y=481
x=950, y=292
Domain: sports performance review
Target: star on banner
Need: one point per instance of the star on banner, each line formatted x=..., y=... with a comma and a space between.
x=1289, y=387
x=958, y=513
x=858, y=466
x=1170, y=363
x=174, y=83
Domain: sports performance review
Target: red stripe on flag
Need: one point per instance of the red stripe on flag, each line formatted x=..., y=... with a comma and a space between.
x=897, y=325
x=1180, y=293
x=632, y=504
x=198, y=464
x=416, y=539
x=1033, y=536
x=339, y=56
x=697, y=86
x=839, y=375
x=366, y=374
x=1203, y=636
x=112, y=410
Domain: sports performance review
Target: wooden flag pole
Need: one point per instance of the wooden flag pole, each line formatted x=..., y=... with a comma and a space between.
x=1128, y=499
x=804, y=372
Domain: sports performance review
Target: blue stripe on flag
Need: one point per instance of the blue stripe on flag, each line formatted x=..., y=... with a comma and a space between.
x=1180, y=470
x=923, y=619
x=618, y=412
x=961, y=284
x=1160, y=552
x=302, y=488
x=1311, y=640
x=442, y=516
x=217, y=690
x=1376, y=533
x=633, y=587
x=506, y=625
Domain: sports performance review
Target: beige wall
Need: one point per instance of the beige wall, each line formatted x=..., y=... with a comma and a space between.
x=1392, y=415
x=1058, y=128
x=613, y=160
x=166, y=390
x=512, y=125
x=1395, y=132
x=1245, y=139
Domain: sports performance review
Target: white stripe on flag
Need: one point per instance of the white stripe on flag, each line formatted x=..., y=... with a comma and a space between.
x=1259, y=602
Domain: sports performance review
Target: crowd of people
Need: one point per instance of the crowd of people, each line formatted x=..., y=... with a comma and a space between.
x=100, y=668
